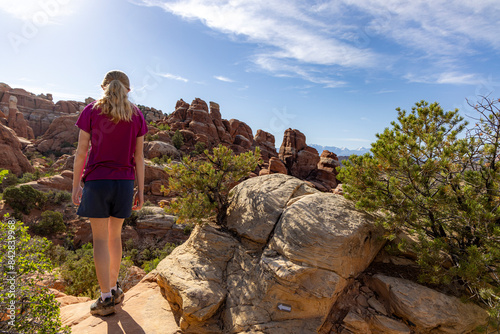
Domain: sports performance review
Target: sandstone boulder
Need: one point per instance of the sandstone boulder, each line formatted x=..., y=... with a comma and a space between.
x=64, y=181
x=11, y=156
x=192, y=279
x=157, y=149
x=289, y=261
x=257, y=204
x=153, y=173
x=430, y=310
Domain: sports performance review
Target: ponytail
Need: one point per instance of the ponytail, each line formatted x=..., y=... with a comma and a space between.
x=114, y=101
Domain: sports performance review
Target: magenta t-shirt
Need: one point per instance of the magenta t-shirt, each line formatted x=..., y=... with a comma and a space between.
x=112, y=147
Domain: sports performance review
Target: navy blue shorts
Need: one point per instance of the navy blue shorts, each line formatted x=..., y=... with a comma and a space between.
x=105, y=198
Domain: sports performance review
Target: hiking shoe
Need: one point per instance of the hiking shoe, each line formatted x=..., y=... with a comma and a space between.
x=118, y=294
x=103, y=307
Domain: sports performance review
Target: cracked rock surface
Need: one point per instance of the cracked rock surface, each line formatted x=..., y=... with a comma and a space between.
x=290, y=253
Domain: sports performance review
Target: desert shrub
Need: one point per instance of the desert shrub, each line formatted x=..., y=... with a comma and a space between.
x=77, y=268
x=24, y=198
x=58, y=254
x=22, y=261
x=148, y=255
x=150, y=137
x=163, y=127
x=163, y=160
x=199, y=148
x=132, y=220
x=58, y=197
x=424, y=178
x=188, y=229
x=135, y=215
x=79, y=272
x=28, y=177
x=203, y=185
x=177, y=139
x=7, y=179
x=51, y=223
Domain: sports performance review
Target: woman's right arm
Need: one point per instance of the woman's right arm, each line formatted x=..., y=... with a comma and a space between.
x=139, y=172
x=79, y=164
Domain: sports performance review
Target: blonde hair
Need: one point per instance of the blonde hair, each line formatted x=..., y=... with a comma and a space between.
x=114, y=101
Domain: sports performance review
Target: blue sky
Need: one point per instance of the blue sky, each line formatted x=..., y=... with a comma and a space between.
x=335, y=70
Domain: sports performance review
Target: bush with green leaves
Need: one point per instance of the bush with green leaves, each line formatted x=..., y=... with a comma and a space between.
x=58, y=197
x=24, y=198
x=164, y=159
x=8, y=180
x=148, y=255
x=199, y=148
x=163, y=127
x=79, y=272
x=427, y=178
x=149, y=137
x=28, y=177
x=203, y=185
x=177, y=139
x=51, y=223
x=23, y=261
x=77, y=269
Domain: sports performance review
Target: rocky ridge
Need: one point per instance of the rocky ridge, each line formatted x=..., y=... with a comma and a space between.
x=294, y=260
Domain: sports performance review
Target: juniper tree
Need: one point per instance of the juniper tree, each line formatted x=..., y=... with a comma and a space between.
x=203, y=186
x=431, y=177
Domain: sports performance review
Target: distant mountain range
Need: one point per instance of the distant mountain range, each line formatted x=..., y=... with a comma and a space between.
x=340, y=151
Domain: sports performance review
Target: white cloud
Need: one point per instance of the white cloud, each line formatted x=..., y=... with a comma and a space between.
x=436, y=27
x=303, y=38
x=221, y=78
x=454, y=78
x=172, y=76
x=385, y=91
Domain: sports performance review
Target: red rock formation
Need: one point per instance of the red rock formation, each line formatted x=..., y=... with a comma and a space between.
x=17, y=122
x=11, y=156
x=223, y=131
x=265, y=141
x=154, y=178
x=198, y=124
x=38, y=110
x=304, y=162
x=68, y=107
x=201, y=123
x=60, y=136
x=301, y=160
x=327, y=172
x=277, y=166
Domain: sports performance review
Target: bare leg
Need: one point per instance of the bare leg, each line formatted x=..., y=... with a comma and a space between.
x=101, y=252
x=115, y=248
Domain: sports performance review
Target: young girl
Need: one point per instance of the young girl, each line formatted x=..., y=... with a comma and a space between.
x=115, y=129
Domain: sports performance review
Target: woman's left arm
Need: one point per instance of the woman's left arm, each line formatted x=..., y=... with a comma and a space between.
x=79, y=164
